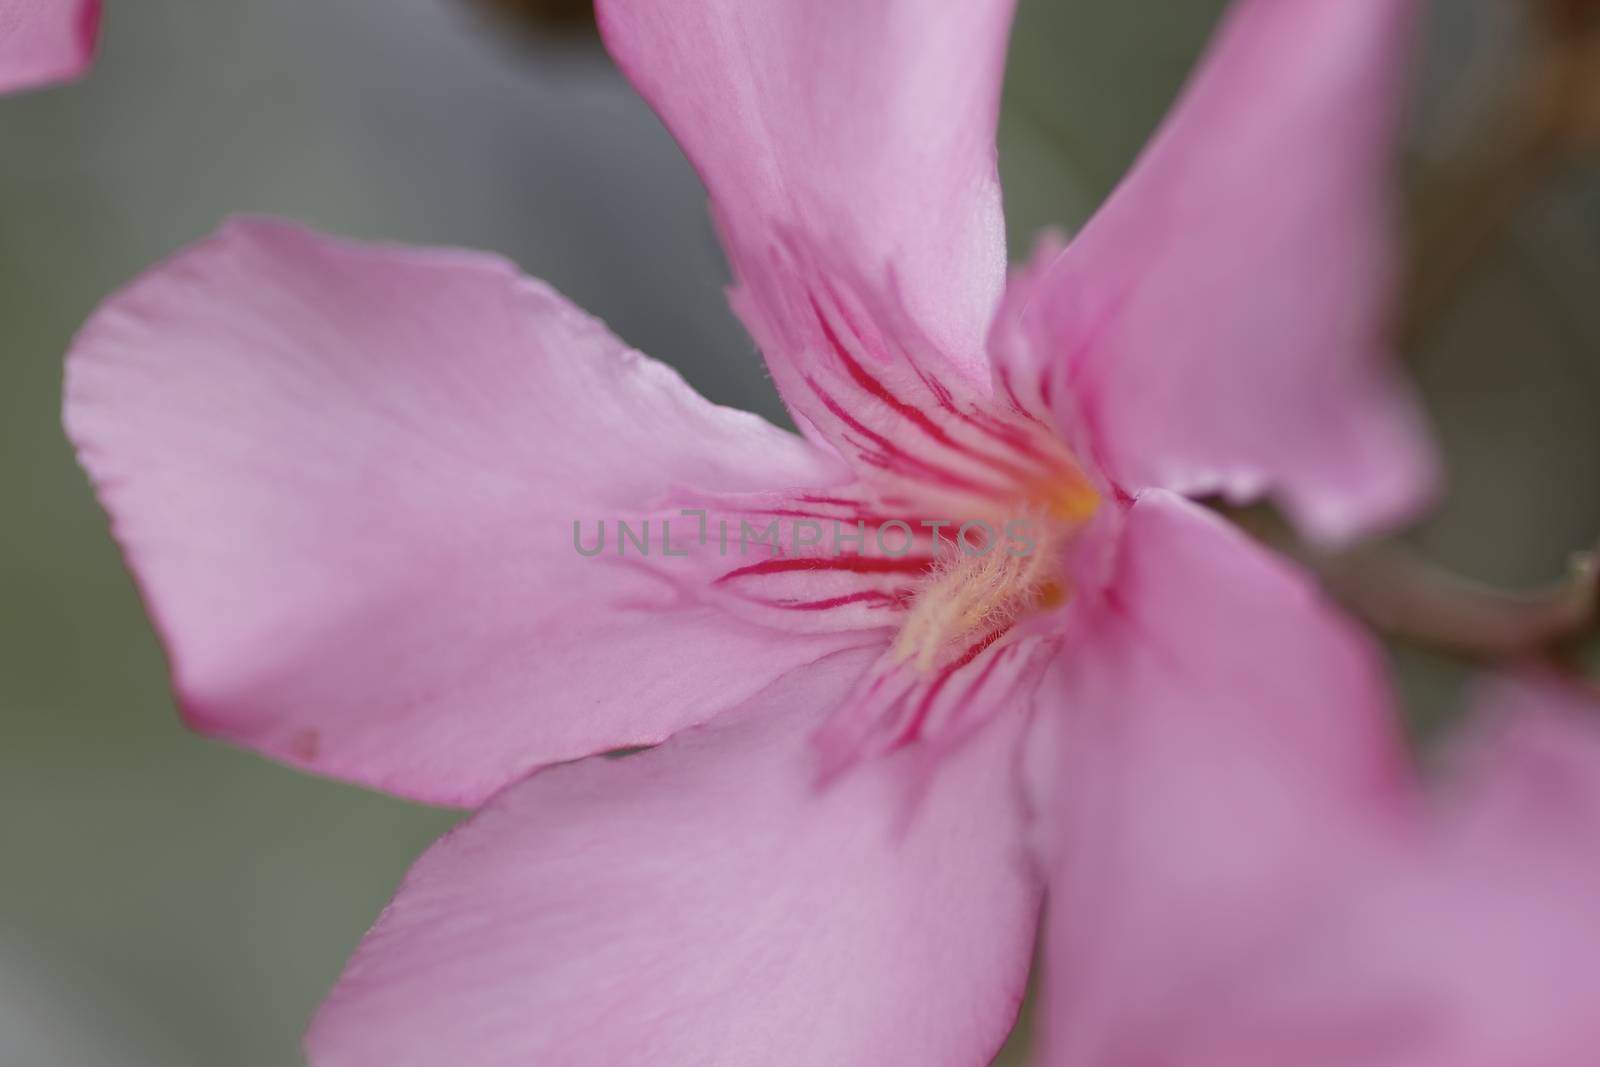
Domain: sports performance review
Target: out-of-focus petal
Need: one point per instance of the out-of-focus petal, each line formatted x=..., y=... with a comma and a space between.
x=838, y=140
x=1494, y=933
x=1474, y=946
x=703, y=903
x=1214, y=740
x=1234, y=911
x=346, y=478
x=1219, y=326
x=43, y=42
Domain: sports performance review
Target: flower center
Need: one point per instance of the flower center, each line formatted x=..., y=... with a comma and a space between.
x=924, y=443
x=1000, y=567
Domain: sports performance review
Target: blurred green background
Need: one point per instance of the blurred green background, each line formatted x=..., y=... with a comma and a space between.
x=166, y=900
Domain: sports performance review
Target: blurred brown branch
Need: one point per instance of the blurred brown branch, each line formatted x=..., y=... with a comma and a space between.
x=561, y=16
x=1412, y=599
x=1408, y=598
x=1550, y=116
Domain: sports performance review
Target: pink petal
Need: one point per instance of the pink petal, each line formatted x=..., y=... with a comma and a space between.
x=1221, y=740
x=1226, y=895
x=1219, y=325
x=43, y=42
x=1471, y=946
x=838, y=140
x=1476, y=948
x=703, y=904
x=1526, y=773
x=346, y=478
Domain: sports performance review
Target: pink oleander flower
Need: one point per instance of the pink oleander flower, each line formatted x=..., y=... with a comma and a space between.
x=1452, y=928
x=43, y=42
x=347, y=478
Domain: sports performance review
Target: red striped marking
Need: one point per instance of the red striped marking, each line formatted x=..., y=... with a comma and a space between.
x=890, y=598
x=911, y=412
x=891, y=455
x=848, y=564
x=914, y=727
